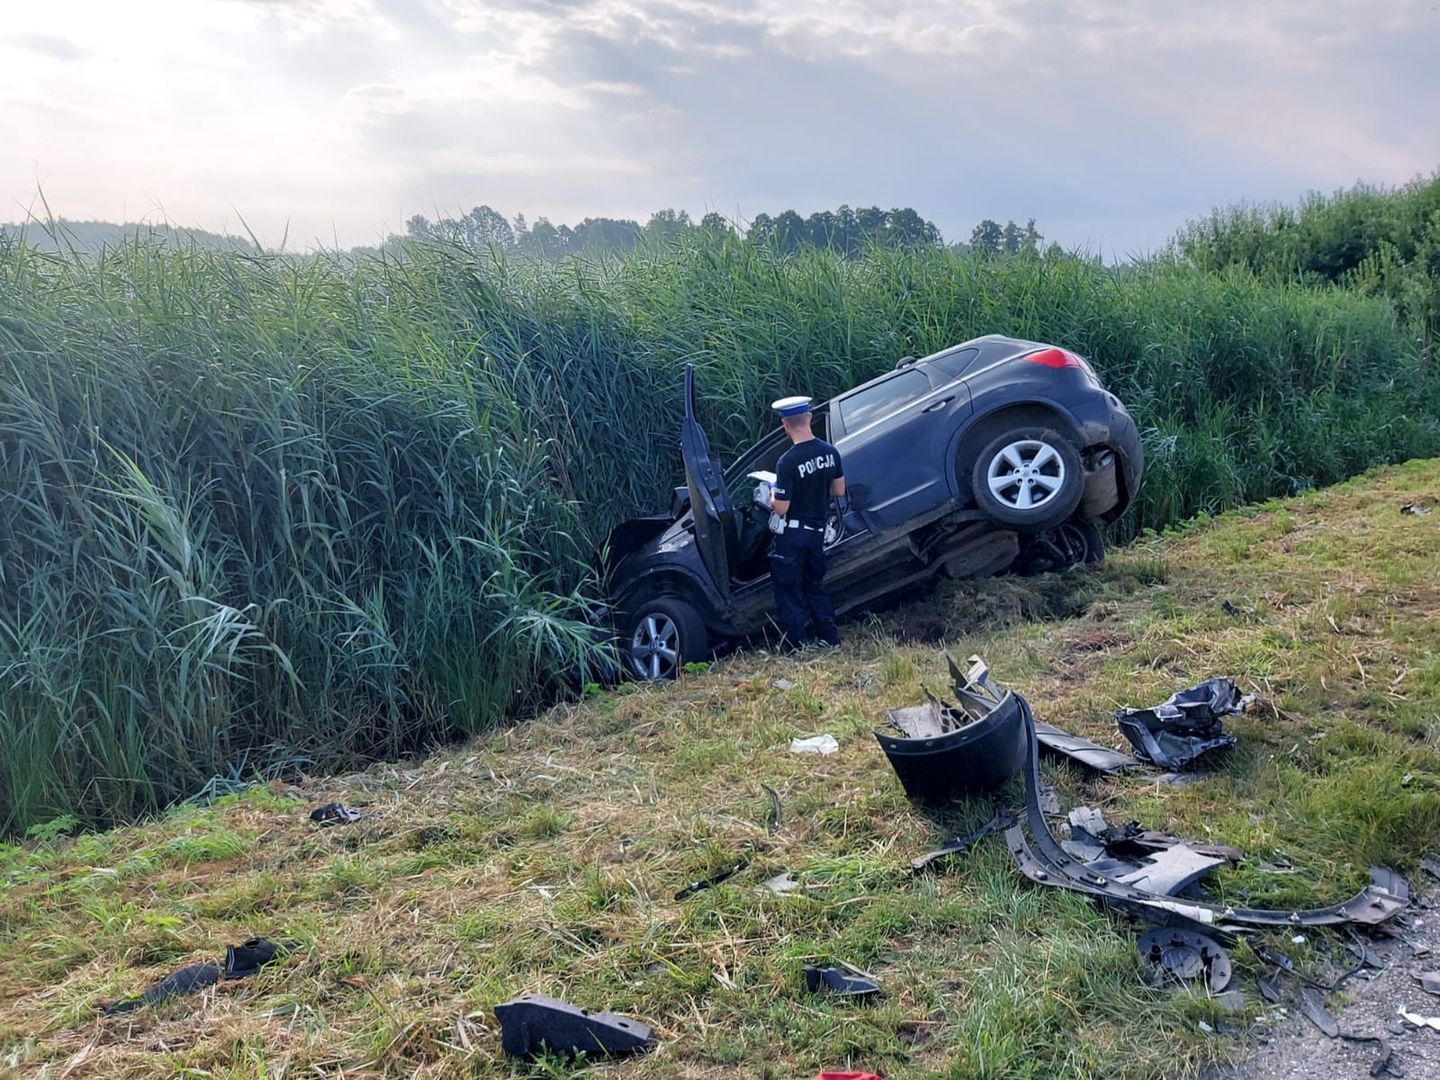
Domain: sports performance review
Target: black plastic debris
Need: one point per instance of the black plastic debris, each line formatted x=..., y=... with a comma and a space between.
x=1415, y=509
x=848, y=983
x=1169, y=872
x=940, y=751
x=961, y=844
x=334, y=813
x=1385, y=1065
x=1185, y=726
x=1043, y=860
x=1231, y=1000
x=1270, y=988
x=777, y=814
x=533, y=1022
x=1049, y=800
x=251, y=955
x=188, y=980
x=1184, y=956
x=1314, y=1009
x=1060, y=743
x=713, y=880
x=1131, y=855
x=241, y=961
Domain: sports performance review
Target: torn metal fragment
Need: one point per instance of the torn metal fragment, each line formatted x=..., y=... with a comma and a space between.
x=1184, y=726
x=961, y=844
x=1314, y=1009
x=1431, y=865
x=1183, y=956
x=1429, y=981
x=849, y=983
x=533, y=1022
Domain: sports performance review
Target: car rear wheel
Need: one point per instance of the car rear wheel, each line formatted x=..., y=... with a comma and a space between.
x=1028, y=479
x=660, y=636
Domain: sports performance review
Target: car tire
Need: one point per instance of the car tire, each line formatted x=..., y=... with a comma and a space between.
x=1075, y=543
x=1028, y=479
x=659, y=636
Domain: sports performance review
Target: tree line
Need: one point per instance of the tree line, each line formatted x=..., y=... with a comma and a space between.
x=846, y=230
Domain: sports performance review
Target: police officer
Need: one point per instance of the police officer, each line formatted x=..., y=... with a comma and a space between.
x=807, y=476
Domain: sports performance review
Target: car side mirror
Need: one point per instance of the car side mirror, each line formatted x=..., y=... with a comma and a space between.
x=859, y=496
x=679, y=502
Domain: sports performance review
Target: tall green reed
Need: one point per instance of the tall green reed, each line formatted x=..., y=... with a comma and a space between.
x=258, y=512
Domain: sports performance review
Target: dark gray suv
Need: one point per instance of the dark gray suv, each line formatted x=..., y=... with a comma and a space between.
x=992, y=455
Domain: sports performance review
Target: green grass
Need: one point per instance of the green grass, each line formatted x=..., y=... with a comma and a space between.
x=264, y=515
x=545, y=856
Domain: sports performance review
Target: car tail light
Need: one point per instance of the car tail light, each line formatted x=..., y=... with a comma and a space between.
x=1060, y=358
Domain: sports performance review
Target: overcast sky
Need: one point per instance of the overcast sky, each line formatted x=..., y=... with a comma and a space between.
x=1109, y=121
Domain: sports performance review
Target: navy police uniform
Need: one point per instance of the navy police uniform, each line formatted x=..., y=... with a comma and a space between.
x=797, y=561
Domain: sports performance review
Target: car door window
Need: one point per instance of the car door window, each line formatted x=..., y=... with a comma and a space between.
x=874, y=402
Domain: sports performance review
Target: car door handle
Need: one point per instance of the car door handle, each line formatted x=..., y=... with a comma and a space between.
x=938, y=405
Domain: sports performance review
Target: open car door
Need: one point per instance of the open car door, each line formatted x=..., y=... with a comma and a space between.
x=709, y=501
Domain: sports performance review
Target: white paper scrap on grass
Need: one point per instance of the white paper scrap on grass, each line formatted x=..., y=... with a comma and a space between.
x=815, y=744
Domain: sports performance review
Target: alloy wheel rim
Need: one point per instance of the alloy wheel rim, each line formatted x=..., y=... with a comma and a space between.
x=654, y=651
x=1026, y=475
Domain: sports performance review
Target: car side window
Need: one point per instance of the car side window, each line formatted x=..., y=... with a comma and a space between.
x=955, y=362
x=882, y=399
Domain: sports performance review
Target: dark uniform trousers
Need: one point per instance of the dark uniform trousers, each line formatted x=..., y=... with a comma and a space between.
x=797, y=569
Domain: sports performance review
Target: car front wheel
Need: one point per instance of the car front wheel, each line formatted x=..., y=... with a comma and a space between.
x=1076, y=543
x=1029, y=480
x=661, y=635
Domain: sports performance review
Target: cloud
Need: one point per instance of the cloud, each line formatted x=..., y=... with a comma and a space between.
x=1109, y=118
x=48, y=45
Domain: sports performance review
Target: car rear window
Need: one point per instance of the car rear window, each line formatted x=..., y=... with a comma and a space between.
x=955, y=362
x=882, y=399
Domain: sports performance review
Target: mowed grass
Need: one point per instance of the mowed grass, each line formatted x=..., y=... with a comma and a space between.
x=546, y=857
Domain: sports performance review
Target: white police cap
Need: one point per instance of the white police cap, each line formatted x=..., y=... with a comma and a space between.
x=791, y=406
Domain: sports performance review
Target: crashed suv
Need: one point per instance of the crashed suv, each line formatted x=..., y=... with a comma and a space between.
x=992, y=455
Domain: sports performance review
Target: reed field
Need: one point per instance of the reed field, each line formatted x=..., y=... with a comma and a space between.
x=264, y=513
